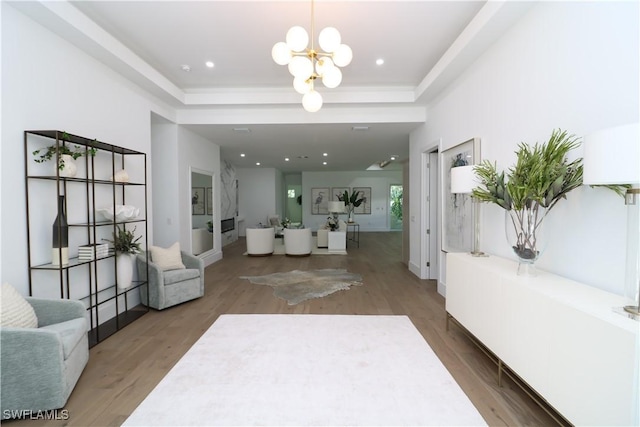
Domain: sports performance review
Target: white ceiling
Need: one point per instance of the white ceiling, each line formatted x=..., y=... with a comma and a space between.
x=425, y=46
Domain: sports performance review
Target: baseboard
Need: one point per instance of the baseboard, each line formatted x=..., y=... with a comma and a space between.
x=211, y=257
x=442, y=289
x=414, y=268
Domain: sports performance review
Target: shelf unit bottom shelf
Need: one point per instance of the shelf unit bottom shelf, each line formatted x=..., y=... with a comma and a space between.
x=113, y=325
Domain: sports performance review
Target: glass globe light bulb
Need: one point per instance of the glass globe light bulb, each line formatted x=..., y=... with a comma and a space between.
x=301, y=85
x=312, y=101
x=301, y=66
x=332, y=78
x=281, y=53
x=342, y=56
x=329, y=39
x=323, y=65
x=297, y=39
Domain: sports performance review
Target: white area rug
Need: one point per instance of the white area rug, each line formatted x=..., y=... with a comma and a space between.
x=278, y=248
x=305, y=370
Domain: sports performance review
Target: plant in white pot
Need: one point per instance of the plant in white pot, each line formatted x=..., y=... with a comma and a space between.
x=65, y=154
x=126, y=246
x=351, y=202
x=541, y=177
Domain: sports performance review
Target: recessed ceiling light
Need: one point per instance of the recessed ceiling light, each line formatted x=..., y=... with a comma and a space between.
x=185, y=68
x=241, y=154
x=325, y=154
x=360, y=128
x=393, y=157
x=286, y=159
x=324, y=163
x=379, y=61
x=257, y=163
x=209, y=64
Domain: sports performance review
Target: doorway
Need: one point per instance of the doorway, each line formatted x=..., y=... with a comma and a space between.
x=202, y=223
x=395, y=207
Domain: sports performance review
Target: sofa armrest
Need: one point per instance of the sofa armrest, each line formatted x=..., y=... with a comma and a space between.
x=192, y=261
x=50, y=311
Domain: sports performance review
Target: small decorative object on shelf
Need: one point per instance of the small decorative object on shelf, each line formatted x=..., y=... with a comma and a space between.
x=120, y=176
x=123, y=212
x=541, y=177
x=60, y=241
x=332, y=223
x=126, y=246
x=66, y=156
x=286, y=223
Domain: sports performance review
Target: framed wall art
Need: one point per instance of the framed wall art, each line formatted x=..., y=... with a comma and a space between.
x=457, y=209
x=197, y=201
x=320, y=201
x=209, y=201
x=337, y=192
x=365, y=206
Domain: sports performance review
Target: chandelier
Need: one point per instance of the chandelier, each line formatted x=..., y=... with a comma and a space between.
x=307, y=65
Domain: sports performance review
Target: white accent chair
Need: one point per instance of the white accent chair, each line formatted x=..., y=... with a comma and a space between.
x=260, y=241
x=297, y=241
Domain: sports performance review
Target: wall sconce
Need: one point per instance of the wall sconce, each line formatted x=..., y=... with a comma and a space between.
x=612, y=157
x=463, y=181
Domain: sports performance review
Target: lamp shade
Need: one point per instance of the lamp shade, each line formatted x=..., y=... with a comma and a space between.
x=612, y=156
x=336, y=207
x=463, y=179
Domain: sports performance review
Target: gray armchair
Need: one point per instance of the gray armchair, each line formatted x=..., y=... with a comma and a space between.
x=168, y=288
x=41, y=366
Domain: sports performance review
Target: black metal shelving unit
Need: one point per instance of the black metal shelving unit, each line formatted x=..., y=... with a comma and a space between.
x=80, y=276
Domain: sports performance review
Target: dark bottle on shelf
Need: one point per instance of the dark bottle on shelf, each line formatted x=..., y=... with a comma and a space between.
x=60, y=246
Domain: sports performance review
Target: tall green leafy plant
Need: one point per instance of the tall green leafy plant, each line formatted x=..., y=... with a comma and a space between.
x=125, y=241
x=351, y=201
x=541, y=177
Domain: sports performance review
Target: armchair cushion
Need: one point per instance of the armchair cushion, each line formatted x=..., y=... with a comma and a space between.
x=169, y=258
x=15, y=310
x=70, y=333
x=175, y=276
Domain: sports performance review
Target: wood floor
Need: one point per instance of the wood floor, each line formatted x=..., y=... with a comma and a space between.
x=123, y=369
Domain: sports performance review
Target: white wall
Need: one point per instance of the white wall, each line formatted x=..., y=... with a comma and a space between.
x=164, y=170
x=49, y=84
x=379, y=181
x=257, y=194
x=569, y=65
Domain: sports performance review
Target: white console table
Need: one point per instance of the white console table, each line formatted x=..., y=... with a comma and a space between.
x=561, y=337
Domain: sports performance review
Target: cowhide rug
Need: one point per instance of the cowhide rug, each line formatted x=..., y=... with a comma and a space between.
x=297, y=286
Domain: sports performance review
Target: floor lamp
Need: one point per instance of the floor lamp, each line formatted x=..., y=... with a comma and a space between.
x=612, y=157
x=463, y=181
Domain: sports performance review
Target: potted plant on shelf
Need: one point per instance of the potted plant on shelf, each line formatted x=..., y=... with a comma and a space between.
x=351, y=202
x=66, y=154
x=541, y=177
x=126, y=246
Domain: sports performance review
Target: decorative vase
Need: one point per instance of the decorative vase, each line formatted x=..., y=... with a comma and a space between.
x=350, y=216
x=67, y=166
x=124, y=267
x=60, y=241
x=525, y=234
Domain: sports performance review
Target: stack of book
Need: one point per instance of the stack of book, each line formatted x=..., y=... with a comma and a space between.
x=93, y=251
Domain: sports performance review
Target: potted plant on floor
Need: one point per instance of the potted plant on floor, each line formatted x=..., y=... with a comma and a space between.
x=126, y=246
x=351, y=202
x=541, y=177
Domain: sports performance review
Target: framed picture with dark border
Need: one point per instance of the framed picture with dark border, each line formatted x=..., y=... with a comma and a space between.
x=197, y=201
x=209, y=201
x=457, y=209
x=365, y=206
x=337, y=192
x=320, y=201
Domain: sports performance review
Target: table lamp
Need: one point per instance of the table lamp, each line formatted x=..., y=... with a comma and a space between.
x=335, y=208
x=463, y=181
x=612, y=157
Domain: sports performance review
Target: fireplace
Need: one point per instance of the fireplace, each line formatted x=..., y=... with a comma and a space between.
x=228, y=224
